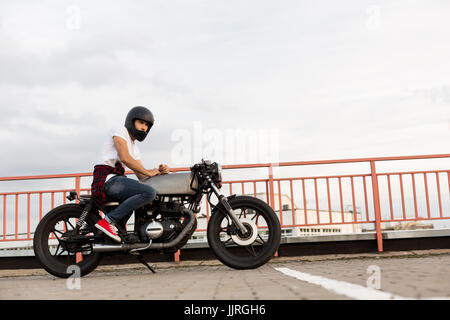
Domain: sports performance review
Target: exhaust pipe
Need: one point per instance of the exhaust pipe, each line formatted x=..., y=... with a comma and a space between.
x=97, y=247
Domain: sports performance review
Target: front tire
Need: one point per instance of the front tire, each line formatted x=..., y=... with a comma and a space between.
x=50, y=232
x=250, y=250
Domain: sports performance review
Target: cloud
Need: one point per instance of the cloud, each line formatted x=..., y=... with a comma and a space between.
x=331, y=80
x=334, y=80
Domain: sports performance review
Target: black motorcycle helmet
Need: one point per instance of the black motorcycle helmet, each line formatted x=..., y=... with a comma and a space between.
x=141, y=113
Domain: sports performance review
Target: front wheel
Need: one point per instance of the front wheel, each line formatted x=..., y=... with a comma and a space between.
x=247, y=250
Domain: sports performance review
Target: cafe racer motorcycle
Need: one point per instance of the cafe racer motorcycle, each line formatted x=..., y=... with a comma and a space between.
x=243, y=232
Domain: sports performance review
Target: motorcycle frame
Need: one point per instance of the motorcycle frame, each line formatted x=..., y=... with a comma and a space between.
x=207, y=177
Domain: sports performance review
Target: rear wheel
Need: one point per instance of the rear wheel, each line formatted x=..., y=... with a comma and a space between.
x=247, y=250
x=58, y=247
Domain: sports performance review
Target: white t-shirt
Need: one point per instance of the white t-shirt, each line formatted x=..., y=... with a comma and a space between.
x=109, y=155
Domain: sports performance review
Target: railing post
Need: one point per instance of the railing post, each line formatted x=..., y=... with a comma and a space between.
x=77, y=186
x=17, y=217
x=272, y=195
x=4, y=217
x=271, y=191
x=28, y=215
x=79, y=256
x=376, y=203
x=176, y=256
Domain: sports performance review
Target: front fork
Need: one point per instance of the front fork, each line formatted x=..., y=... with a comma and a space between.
x=224, y=202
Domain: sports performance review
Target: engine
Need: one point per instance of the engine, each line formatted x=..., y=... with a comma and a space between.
x=163, y=221
x=161, y=230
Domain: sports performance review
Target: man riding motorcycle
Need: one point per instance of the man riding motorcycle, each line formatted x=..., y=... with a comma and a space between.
x=109, y=182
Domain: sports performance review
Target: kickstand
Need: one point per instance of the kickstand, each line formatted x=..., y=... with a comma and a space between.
x=141, y=260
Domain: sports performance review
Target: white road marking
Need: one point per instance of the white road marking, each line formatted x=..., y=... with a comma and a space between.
x=350, y=290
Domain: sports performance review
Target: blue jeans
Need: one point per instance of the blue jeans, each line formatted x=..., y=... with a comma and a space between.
x=130, y=193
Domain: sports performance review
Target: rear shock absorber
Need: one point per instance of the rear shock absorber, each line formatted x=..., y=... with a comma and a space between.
x=83, y=215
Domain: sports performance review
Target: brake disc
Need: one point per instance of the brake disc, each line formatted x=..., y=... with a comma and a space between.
x=251, y=235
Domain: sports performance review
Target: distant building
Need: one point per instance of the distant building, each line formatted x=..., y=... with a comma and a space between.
x=300, y=226
x=409, y=226
x=303, y=218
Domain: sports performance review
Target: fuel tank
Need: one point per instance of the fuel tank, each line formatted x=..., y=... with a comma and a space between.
x=177, y=183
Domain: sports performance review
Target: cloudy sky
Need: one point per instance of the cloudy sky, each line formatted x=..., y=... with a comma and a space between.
x=235, y=81
x=323, y=79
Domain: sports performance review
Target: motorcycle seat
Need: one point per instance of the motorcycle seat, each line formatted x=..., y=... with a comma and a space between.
x=109, y=202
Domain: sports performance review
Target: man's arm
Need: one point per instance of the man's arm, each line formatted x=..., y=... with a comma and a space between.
x=139, y=175
x=135, y=165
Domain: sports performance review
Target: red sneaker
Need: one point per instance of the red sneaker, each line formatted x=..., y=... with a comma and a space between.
x=108, y=229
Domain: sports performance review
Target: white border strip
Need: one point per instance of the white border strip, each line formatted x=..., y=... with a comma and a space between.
x=350, y=290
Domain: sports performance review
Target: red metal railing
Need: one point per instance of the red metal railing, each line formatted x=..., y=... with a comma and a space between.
x=295, y=188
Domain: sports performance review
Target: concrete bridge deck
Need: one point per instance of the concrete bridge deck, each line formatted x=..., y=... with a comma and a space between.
x=416, y=274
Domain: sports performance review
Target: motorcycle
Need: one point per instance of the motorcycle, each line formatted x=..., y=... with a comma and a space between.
x=243, y=232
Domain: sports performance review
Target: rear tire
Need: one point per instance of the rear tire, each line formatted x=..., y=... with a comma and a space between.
x=56, y=264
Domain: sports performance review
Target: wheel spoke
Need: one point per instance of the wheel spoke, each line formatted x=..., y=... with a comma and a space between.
x=243, y=211
x=256, y=216
x=68, y=221
x=53, y=231
x=262, y=240
x=71, y=258
x=252, y=251
x=57, y=249
x=225, y=243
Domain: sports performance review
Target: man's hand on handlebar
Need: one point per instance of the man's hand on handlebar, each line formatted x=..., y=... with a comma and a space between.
x=163, y=169
x=153, y=173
